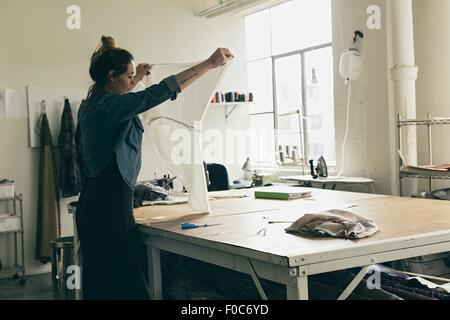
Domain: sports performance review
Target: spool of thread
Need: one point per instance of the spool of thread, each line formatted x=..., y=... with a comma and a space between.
x=294, y=155
x=229, y=97
x=282, y=157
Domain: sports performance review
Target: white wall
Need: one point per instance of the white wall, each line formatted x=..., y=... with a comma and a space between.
x=38, y=50
x=371, y=140
x=432, y=48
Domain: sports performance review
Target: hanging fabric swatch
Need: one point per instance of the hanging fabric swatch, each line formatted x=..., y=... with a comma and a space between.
x=69, y=170
x=48, y=220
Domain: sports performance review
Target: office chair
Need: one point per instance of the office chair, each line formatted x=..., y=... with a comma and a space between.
x=218, y=177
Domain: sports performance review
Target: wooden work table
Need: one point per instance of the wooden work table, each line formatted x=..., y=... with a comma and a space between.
x=246, y=242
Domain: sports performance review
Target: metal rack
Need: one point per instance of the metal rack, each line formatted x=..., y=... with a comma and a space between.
x=429, y=123
x=18, y=267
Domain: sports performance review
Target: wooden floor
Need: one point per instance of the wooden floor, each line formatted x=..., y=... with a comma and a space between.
x=37, y=287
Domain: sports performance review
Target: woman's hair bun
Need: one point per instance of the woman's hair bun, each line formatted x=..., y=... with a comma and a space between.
x=108, y=42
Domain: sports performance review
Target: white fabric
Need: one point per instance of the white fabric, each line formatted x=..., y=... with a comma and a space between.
x=432, y=285
x=186, y=113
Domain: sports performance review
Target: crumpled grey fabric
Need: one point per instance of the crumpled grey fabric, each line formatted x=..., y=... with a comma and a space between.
x=334, y=223
x=148, y=192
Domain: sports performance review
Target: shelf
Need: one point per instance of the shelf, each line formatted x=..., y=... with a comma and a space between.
x=414, y=172
x=229, y=104
x=11, y=269
x=405, y=123
x=424, y=176
x=14, y=225
x=11, y=232
x=16, y=197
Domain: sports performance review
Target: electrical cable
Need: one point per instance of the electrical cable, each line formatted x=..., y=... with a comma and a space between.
x=346, y=128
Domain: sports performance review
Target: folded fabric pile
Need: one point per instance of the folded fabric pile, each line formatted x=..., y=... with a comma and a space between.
x=148, y=192
x=334, y=223
x=409, y=288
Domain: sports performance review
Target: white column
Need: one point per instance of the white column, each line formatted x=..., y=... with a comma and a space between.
x=404, y=76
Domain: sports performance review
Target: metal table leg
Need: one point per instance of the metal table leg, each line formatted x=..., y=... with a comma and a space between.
x=154, y=272
x=348, y=291
x=299, y=291
x=256, y=281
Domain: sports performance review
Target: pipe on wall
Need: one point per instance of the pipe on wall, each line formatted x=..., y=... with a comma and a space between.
x=404, y=76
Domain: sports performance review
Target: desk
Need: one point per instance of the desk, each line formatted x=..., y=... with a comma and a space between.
x=333, y=181
x=408, y=228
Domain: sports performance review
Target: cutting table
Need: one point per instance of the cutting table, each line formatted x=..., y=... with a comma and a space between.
x=244, y=240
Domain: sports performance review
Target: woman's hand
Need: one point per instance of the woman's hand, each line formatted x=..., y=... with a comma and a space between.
x=220, y=57
x=142, y=70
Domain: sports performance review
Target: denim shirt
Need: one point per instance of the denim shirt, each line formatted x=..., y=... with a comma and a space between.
x=110, y=125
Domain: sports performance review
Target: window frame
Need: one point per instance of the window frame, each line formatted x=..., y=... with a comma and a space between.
x=302, y=110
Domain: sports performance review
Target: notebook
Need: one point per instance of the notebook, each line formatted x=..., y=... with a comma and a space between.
x=285, y=194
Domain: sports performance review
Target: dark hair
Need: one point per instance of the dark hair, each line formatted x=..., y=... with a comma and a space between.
x=105, y=58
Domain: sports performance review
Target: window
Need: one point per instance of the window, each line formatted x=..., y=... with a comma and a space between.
x=290, y=72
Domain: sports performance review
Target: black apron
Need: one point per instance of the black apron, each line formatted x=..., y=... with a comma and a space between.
x=109, y=238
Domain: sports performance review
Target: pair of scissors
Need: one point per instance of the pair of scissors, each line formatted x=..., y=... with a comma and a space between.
x=186, y=226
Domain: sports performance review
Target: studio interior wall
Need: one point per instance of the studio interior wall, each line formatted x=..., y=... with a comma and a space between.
x=38, y=50
x=371, y=139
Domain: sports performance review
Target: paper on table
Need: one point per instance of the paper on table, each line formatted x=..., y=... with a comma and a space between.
x=16, y=103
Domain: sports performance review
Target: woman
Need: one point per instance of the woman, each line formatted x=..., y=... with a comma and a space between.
x=111, y=136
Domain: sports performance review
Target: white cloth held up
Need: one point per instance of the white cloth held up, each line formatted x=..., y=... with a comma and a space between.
x=172, y=121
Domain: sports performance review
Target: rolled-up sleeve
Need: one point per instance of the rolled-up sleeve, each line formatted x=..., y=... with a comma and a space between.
x=173, y=86
x=119, y=108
